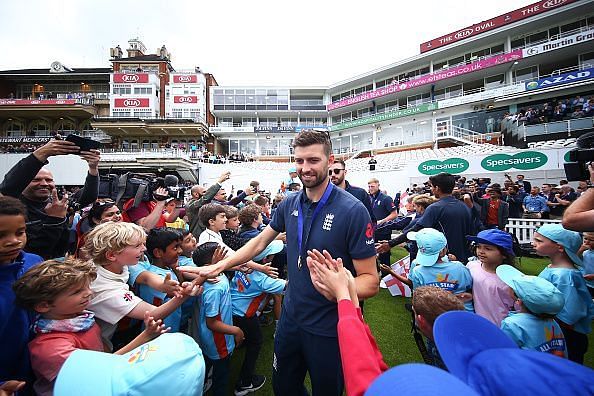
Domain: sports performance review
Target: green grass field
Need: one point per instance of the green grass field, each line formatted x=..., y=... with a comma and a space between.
x=390, y=324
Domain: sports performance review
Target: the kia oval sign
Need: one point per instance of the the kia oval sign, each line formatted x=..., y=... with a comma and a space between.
x=131, y=102
x=131, y=78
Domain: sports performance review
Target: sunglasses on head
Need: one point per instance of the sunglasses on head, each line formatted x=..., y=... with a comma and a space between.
x=336, y=171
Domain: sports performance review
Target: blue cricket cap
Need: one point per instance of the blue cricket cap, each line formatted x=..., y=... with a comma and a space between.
x=293, y=170
x=485, y=358
x=430, y=243
x=273, y=248
x=538, y=294
x=570, y=240
x=418, y=379
x=171, y=364
x=495, y=237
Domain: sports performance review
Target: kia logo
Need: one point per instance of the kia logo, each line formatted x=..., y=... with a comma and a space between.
x=184, y=78
x=532, y=51
x=186, y=99
x=464, y=33
x=130, y=78
x=132, y=102
x=553, y=3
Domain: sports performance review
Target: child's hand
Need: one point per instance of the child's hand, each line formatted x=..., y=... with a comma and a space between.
x=153, y=328
x=238, y=335
x=192, y=289
x=171, y=287
x=382, y=247
x=327, y=275
x=270, y=271
x=9, y=388
x=219, y=254
x=352, y=287
x=464, y=297
x=386, y=268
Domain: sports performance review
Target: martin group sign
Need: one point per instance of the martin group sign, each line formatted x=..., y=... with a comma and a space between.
x=565, y=78
x=578, y=38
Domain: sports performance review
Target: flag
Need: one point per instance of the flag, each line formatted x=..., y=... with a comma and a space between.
x=397, y=288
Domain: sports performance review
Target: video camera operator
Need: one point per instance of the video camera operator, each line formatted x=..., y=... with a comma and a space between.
x=29, y=181
x=151, y=214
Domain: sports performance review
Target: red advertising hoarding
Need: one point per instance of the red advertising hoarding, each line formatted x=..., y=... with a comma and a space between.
x=131, y=102
x=25, y=102
x=131, y=78
x=185, y=78
x=185, y=99
x=493, y=23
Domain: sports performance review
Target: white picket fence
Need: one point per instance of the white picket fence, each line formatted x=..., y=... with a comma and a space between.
x=524, y=229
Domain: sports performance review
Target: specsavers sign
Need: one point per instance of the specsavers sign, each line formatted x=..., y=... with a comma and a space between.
x=451, y=165
x=525, y=160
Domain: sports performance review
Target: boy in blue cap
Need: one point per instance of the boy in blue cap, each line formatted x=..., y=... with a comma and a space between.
x=561, y=246
x=587, y=268
x=538, y=301
x=433, y=268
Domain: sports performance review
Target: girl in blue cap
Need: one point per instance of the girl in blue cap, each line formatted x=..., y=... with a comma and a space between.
x=561, y=246
x=492, y=299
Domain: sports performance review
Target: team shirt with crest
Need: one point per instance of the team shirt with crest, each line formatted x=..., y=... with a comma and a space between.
x=249, y=290
x=531, y=332
x=343, y=228
x=216, y=303
x=153, y=296
x=452, y=276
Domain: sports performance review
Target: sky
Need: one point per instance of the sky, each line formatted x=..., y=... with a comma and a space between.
x=259, y=42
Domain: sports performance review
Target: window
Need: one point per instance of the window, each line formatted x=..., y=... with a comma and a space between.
x=122, y=90
x=587, y=60
x=120, y=113
x=526, y=74
x=494, y=81
x=143, y=90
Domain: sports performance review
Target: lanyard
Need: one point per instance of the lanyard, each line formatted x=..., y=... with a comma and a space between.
x=317, y=210
x=376, y=200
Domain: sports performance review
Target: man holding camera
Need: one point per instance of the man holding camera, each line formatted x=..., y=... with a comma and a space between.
x=29, y=181
x=151, y=214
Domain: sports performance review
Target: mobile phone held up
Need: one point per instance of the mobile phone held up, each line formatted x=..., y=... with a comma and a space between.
x=84, y=143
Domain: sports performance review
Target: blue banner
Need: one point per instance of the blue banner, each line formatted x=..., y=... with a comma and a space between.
x=564, y=78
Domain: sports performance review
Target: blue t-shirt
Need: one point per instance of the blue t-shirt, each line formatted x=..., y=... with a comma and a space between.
x=183, y=261
x=249, y=290
x=15, y=322
x=578, y=310
x=343, y=227
x=215, y=302
x=531, y=332
x=587, y=267
x=153, y=296
x=453, y=218
x=382, y=206
x=452, y=276
x=535, y=204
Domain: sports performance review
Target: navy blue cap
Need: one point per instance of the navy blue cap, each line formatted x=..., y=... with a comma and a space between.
x=485, y=358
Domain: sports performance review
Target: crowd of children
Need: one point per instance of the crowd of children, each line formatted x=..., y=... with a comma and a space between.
x=129, y=286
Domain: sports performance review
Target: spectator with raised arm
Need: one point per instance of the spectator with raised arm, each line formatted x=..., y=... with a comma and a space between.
x=200, y=197
x=34, y=185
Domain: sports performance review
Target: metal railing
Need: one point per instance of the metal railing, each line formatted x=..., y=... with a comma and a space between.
x=548, y=128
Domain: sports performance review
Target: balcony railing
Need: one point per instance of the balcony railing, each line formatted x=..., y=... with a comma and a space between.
x=150, y=120
x=550, y=128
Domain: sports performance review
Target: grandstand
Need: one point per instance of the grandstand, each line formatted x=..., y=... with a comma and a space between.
x=522, y=85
